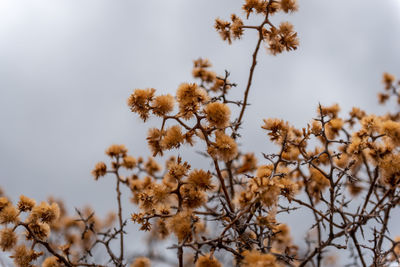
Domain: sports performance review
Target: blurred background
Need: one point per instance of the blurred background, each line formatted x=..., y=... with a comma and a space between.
x=68, y=66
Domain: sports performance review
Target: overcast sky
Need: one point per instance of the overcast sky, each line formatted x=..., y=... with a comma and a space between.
x=67, y=68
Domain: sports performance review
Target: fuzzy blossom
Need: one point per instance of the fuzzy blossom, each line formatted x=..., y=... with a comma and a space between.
x=181, y=225
x=173, y=138
x=278, y=129
x=201, y=179
x=223, y=28
x=258, y=6
x=4, y=202
x=129, y=162
x=192, y=197
x=331, y=111
x=206, y=261
x=154, y=141
x=357, y=144
x=8, y=239
x=281, y=39
x=371, y=124
x=333, y=127
x=288, y=187
x=45, y=213
x=189, y=97
x=201, y=71
x=202, y=63
x=23, y=256
x=268, y=190
x=392, y=130
x=390, y=170
x=25, y=203
x=99, y=170
x=139, y=102
x=289, y=5
x=39, y=230
x=317, y=183
x=257, y=259
x=236, y=27
x=51, y=262
x=224, y=148
x=9, y=214
x=141, y=262
x=388, y=80
x=162, y=105
x=177, y=170
x=116, y=150
x=217, y=114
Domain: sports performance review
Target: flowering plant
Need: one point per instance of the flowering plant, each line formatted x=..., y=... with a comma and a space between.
x=234, y=206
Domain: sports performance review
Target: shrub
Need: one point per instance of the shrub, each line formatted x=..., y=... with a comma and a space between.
x=344, y=171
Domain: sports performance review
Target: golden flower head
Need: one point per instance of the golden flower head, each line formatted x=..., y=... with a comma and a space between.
x=224, y=148
x=217, y=114
x=207, y=261
x=173, y=138
x=25, y=203
x=189, y=97
x=162, y=105
x=45, y=213
x=23, y=256
x=392, y=130
x=116, y=150
x=129, y=162
x=201, y=179
x=39, y=230
x=141, y=262
x=99, y=170
x=51, y=262
x=8, y=239
x=388, y=80
x=257, y=259
x=288, y=5
x=154, y=137
x=139, y=101
x=9, y=214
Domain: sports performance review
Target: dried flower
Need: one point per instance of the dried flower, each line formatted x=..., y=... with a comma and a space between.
x=288, y=5
x=25, y=203
x=45, y=213
x=9, y=214
x=141, y=262
x=129, y=162
x=51, y=262
x=224, y=148
x=189, y=97
x=139, y=102
x=217, y=114
x=173, y=137
x=207, y=261
x=257, y=259
x=200, y=179
x=8, y=239
x=388, y=80
x=23, y=256
x=162, y=105
x=99, y=170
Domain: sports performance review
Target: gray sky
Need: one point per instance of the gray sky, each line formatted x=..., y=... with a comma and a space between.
x=68, y=66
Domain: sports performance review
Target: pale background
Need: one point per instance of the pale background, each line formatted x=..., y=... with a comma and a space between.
x=67, y=68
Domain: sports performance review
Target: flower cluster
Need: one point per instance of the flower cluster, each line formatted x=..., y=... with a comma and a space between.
x=277, y=39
